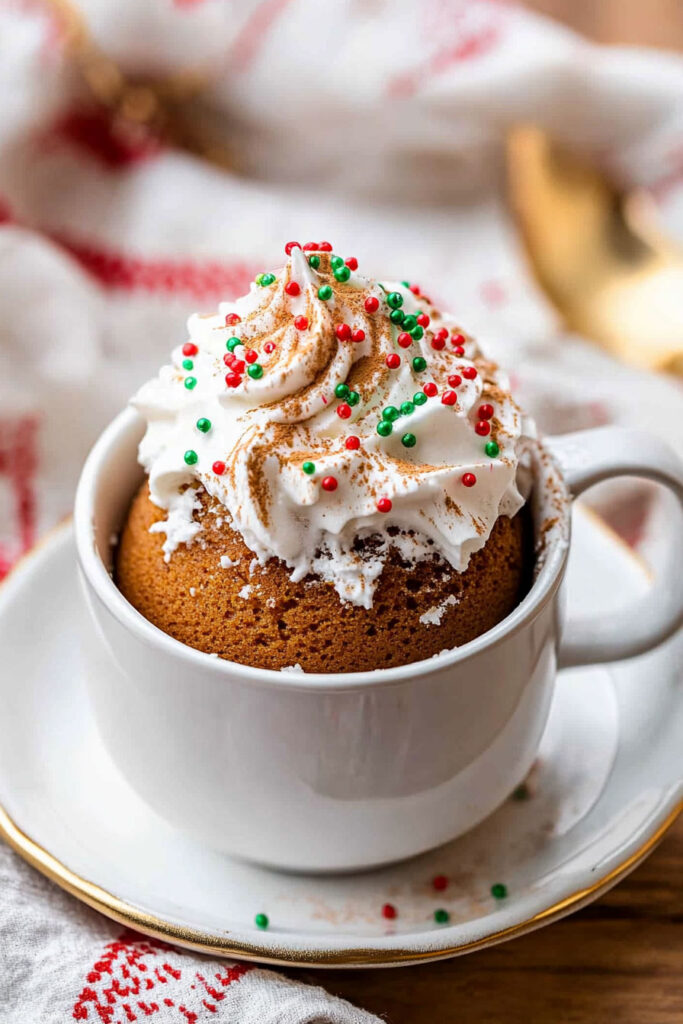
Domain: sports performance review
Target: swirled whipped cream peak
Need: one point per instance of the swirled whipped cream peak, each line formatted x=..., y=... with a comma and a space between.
x=331, y=417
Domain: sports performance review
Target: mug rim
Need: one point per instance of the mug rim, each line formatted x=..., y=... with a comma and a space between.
x=102, y=584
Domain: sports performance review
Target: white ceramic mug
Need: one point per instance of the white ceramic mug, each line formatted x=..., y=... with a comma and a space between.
x=330, y=772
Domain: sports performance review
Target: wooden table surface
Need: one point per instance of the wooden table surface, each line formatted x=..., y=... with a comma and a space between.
x=619, y=960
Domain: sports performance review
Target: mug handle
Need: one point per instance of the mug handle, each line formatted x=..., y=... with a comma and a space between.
x=586, y=458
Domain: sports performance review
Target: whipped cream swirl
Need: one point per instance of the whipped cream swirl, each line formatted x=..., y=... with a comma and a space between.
x=276, y=453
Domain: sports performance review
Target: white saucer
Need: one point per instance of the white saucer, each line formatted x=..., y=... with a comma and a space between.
x=607, y=784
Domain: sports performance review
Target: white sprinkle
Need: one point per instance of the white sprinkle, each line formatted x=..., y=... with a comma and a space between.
x=193, y=591
x=227, y=563
x=271, y=602
x=245, y=591
x=434, y=615
x=253, y=566
x=292, y=668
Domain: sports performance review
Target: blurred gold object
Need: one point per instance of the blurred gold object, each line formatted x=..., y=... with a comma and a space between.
x=597, y=254
x=164, y=109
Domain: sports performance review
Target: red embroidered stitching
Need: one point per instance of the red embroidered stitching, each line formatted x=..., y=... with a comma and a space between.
x=252, y=35
x=118, y=270
x=124, y=959
x=18, y=465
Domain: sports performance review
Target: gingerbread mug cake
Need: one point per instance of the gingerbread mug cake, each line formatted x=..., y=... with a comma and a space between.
x=338, y=480
x=333, y=478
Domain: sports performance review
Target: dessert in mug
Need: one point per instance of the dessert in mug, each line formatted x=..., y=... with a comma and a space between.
x=336, y=477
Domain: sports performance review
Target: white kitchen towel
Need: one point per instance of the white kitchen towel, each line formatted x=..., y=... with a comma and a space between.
x=377, y=125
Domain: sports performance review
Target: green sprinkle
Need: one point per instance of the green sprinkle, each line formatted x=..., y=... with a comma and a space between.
x=190, y=382
x=397, y=316
x=391, y=413
x=353, y=398
x=314, y=261
x=499, y=891
x=232, y=343
x=342, y=391
x=259, y=278
x=491, y=448
x=417, y=333
x=325, y=292
x=407, y=408
x=342, y=273
x=336, y=261
x=261, y=921
x=265, y=279
x=188, y=364
x=409, y=322
x=384, y=428
x=409, y=440
x=395, y=300
x=419, y=363
x=255, y=371
x=309, y=468
x=441, y=916
x=419, y=398
x=204, y=425
x=190, y=457
x=406, y=284
x=521, y=792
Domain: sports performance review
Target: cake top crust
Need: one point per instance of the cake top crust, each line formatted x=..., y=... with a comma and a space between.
x=323, y=409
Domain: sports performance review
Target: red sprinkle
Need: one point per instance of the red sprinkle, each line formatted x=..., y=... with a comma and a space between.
x=325, y=247
x=469, y=372
x=232, y=318
x=440, y=882
x=371, y=304
x=458, y=339
x=343, y=332
x=218, y=468
x=430, y=389
x=455, y=380
x=442, y=333
x=389, y=911
x=311, y=246
x=469, y=479
x=393, y=360
x=301, y=323
x=290, y=246
x=485, y=411
x=352, y=263
x=352, y=442
x=483, y=427
x=449, y=398
x=238, y=365
x=190, y=349
x=423, y=320
x=250, y=355
x=438, y=343
x=344, y=410
x=292, y=288
x=459, y=351
x=384, y=505
x=269, y=347
x=358, y=335
x=415, y=289
x=329, y=483
x=404, y=339
x=233, y=379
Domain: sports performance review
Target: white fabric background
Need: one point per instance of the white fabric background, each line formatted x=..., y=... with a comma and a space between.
x=378, y=125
